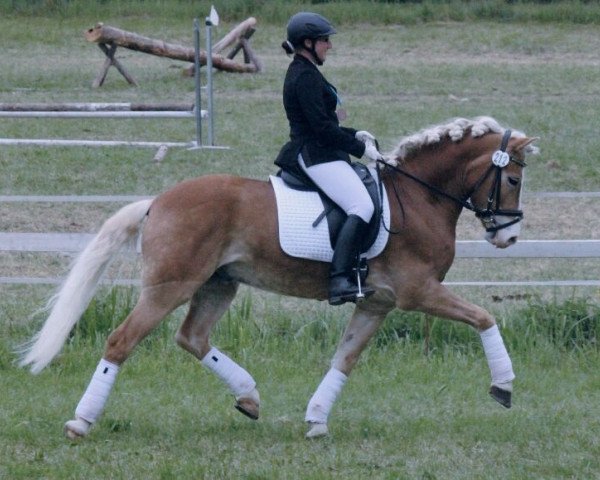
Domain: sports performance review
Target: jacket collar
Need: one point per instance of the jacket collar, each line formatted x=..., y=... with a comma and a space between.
x=302, y=58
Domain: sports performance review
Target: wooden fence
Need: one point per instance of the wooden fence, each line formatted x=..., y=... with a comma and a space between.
x=72, y=243
x=99, y=110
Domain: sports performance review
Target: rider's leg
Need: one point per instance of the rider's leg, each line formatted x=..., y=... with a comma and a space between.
x=343, y=285
x=339, y=182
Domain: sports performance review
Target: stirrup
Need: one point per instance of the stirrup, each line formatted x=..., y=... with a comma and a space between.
x=348, y=292
x=351, y=297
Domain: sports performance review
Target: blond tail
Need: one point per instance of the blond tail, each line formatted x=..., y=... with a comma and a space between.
x=80, y=285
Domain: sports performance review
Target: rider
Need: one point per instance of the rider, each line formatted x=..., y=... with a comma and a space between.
x=319, y=147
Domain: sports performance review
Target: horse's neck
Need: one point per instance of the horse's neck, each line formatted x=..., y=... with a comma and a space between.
x=441, y=173
x=413, y=203
x=451, y=166
x=444, y=169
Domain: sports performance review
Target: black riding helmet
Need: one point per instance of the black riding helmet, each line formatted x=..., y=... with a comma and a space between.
x=308, y=25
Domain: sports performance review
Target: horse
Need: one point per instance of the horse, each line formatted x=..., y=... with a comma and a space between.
x=204, y=237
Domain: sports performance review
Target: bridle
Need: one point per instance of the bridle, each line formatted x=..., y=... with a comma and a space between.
x=487, y=215
x=500, y=159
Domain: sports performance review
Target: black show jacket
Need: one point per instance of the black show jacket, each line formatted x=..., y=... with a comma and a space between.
x=310, y=102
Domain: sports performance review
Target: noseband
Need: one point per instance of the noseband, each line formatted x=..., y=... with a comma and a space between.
x=487, y=216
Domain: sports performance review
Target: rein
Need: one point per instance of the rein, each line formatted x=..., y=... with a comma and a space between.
x=500, y=159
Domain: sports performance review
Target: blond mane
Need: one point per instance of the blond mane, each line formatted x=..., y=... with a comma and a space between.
x=454, y=129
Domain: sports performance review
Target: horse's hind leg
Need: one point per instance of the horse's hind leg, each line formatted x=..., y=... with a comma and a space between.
x=208, y=305
x=153, y=305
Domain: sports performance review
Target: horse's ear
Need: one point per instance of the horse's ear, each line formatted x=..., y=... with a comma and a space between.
x=521, y=144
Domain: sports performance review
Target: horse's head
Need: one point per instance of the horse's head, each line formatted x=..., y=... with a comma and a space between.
x=480, y=167
x=496, y=195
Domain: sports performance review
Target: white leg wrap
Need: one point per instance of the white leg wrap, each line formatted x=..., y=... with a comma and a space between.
x=321, y=402
x=497, y=357
x=239, y=381
x=92, y=403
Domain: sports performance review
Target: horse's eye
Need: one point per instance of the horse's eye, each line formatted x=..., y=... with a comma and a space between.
x=514, y=181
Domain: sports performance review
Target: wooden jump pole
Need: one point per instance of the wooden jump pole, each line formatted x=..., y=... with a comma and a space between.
x=99, y=110
x=103, y=114
x=95, y=107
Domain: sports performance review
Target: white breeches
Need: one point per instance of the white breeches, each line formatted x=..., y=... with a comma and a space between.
x=340, y=182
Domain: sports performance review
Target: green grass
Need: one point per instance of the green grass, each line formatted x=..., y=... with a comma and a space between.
x=403, y=413
x=344, y=12
x=416, y=406
x=541, y=79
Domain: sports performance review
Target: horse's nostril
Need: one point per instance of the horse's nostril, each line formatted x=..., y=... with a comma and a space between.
x=512, y=240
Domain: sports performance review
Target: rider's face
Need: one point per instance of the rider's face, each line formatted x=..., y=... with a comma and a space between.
x=322, y=45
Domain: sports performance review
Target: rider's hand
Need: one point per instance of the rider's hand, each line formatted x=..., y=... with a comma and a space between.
x=371, y=152
x=365, y=136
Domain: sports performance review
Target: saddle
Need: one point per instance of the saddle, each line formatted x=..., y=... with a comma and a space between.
x=331, y=211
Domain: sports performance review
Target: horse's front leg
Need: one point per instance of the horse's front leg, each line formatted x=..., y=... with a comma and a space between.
x=439, y=301
x=365, y=321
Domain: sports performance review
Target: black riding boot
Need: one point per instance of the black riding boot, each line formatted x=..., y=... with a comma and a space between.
x=342, y=282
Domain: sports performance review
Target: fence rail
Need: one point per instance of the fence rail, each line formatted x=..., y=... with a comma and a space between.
x=72, y=243
x=135, y=198
x=96, y=110
x=75, y=242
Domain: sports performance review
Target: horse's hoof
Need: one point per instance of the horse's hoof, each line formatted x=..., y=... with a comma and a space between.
x=78, y=428
x=317, y=430
x=503, y=397
x=249, y=405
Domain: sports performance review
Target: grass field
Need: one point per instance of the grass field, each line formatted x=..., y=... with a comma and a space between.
x=404, y=413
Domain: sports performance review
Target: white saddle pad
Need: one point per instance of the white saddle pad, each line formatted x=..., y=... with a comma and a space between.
x=297, y=211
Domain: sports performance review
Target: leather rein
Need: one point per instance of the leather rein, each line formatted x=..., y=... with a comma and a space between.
x=487, y=216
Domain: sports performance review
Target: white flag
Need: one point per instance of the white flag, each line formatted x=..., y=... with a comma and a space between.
x=214, y=16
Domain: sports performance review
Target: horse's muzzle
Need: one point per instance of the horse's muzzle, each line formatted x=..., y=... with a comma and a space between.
x=504, y=237
x=500, y=241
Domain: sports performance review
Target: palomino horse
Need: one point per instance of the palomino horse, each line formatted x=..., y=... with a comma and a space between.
x=204, y=237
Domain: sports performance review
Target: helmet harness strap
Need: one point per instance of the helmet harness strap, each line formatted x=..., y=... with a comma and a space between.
x=312, y=50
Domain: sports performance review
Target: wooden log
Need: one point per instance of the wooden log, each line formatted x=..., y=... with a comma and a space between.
x=249, y=56
x=237, y=32
x=242, y=44
x=238, y=46
x=105, y=34
x=109, y=51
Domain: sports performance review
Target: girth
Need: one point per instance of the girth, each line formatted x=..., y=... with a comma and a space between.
x=332, y=212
